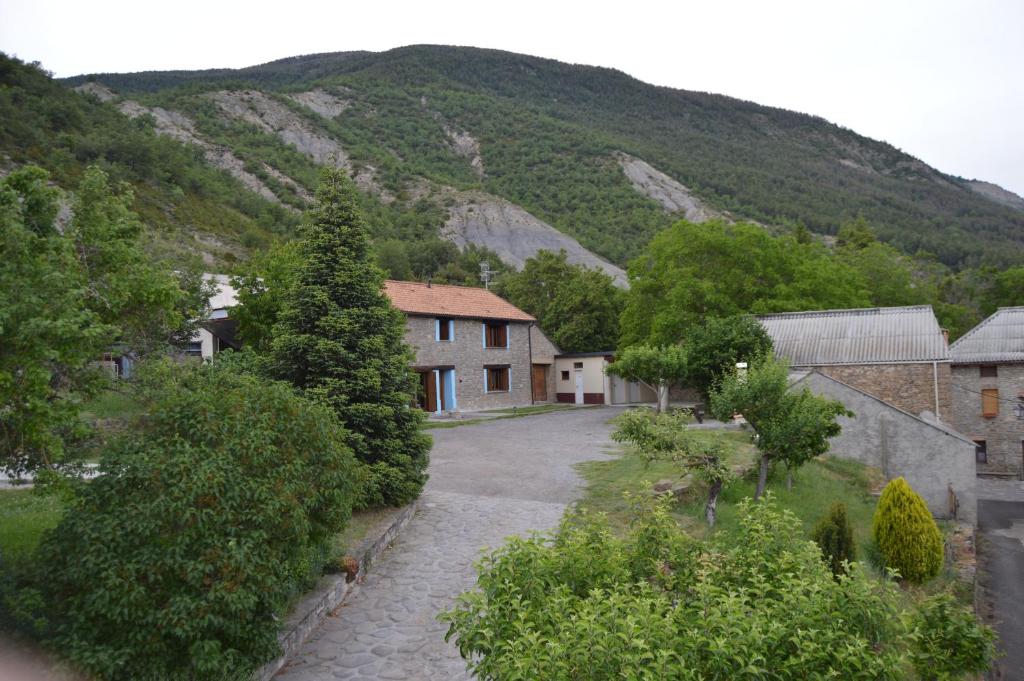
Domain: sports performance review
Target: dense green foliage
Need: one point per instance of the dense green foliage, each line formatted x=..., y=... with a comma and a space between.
x=659, y=368
x=666, y=438
x=175, y=561
x=71, y=293
x=548, y=131
x=949, y=641
x=755, y=603
x=716, y=269
x=906, y=533
x=834, y=536
x=792, y=426
x=341, y=341
x=714, y=347
x=576, y=306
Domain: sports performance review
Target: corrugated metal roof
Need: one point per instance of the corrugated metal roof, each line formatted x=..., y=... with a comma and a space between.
x=1000, y=338
x=864, y=336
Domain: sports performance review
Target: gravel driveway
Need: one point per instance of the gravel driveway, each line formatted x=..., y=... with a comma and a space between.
x=487, y=481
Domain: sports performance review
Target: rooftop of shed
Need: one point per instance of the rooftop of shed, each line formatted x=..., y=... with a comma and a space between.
x=877, y=335
x=998, y=339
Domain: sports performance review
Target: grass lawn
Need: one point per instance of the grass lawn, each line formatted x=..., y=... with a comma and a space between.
x=24, y=515
x=816, y=487
x=111, y=404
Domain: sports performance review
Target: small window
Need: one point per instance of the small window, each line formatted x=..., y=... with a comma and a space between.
x=577, y=365
x=989, y=402
x=989, y=371
x=565, y=375
x=444, y=329
x=496, y=334
x=981, y=451
x=194, y=348
x=497, y=379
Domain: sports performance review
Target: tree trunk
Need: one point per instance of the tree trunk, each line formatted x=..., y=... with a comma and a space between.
x=762, y=477
x=709, y=510
x=789, y=479
x=662, y=398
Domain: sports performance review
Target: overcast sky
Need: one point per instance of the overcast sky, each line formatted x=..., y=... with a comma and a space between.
x=942, y=80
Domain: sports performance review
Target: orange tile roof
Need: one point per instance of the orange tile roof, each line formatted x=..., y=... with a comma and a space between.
x=451, y=301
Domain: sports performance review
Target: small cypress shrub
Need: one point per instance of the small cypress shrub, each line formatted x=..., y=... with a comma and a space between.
x=834, y=536
x=906, y=533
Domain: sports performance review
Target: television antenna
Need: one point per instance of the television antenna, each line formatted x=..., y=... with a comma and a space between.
x=486, y=274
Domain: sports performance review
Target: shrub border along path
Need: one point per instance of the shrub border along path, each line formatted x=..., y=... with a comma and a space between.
x=331, y=591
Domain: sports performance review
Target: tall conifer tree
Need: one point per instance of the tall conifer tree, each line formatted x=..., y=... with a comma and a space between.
x=341, y=341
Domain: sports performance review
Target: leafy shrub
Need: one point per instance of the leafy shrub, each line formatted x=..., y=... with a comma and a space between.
x=759, y=603
x=834, y=535
x=174, y=562
x=906, y=533
x=949, y=640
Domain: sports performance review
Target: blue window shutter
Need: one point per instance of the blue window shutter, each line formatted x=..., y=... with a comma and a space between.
x=451, y=330
x=437, y=330
x=510, y=379
x=485, y=380
x=508, y=341
x=437, y=390
x=483, y=335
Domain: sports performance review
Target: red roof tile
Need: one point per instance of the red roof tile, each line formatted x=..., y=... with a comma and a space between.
x=451, y=301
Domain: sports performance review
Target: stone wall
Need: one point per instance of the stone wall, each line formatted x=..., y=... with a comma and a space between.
x=930, y=455
x=910, y=386
x=1003, y=433
x=466, y=353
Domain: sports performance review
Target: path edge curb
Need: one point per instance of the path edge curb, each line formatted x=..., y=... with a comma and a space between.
x=330, y=593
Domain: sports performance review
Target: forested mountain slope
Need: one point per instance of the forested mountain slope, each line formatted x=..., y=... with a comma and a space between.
x=549, y=137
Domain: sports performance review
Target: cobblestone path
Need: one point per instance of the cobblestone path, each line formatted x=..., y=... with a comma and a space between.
x=488, y=481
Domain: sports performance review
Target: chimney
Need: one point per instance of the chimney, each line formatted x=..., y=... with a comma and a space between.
x=945, y=336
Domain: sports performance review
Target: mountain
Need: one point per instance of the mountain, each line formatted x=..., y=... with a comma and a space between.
x=515, y=153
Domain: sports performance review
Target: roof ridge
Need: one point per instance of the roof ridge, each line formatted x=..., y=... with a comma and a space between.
x=848, y=311
x=433, y=285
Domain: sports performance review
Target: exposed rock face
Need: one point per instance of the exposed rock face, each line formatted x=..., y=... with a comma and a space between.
x=97, y=90
x=996, y=193
x=467, y=146
x=515, y=235
x=323, y=103
x=271, y=116
x=180, y=127
x=673, y=196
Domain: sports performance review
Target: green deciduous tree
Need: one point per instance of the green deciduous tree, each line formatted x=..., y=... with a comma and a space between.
x=69, y=295
x=261, y=289
x=690, y=272
x=714, y=347
x=666, y=438
x=577, y=307
x=659, y=368
x=341, y=341
x=207, y=517
x=906, y=533
x=792, y=426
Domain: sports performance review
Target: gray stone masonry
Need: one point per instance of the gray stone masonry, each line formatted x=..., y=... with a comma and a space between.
x=908, y=386
x=931, y=456
x=1003, y=433
x=466, y=352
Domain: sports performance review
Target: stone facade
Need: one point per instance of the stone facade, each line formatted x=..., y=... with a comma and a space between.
x=910, y=386
x=1003, y=433
x=466, y=356
x=934, y=458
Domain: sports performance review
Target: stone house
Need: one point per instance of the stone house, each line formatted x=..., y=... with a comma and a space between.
x=897, y=354
x=474, y=350
x=988, y=391
x=935, y=459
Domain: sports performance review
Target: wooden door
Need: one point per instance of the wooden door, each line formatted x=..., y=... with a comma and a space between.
x=540, y=383
x=428, y=391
